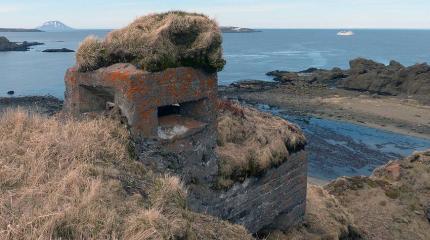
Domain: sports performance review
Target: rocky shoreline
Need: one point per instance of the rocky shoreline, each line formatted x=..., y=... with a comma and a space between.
x=41, y=104
x=366, y=75
x=19, y=30
x=402, y=105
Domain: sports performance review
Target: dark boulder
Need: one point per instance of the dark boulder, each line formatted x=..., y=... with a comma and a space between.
x=328, y=76
x=395, y=66
x=11, y=92
x=254, y=85
x=361, y=66
x=277, y=73
x=310, y=70
x=288, y=77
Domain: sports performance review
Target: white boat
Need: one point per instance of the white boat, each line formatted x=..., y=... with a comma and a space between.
x=345, y=33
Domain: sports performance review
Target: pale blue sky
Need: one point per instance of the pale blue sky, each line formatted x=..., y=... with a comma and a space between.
x=244, y=13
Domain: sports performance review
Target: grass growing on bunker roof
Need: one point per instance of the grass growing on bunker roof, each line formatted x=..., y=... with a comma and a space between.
x=251, y=142
x=75, y=179
x=156, y=42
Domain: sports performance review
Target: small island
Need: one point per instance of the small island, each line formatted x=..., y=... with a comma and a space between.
x=6, y=45
x=57, y=50
x=238, y=30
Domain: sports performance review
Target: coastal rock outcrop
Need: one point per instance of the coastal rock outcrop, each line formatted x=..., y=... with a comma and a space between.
x=393, y=79
x=367, y=76
x=6, y=45
x=309, y=76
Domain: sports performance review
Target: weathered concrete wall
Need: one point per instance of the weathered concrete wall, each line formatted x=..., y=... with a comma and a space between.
x=259, y=201
x=139, y=93
x=191, y=157
x=275, y=200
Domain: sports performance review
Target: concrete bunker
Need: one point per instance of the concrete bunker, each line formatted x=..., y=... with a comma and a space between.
x=168, y=97
x=165, y=105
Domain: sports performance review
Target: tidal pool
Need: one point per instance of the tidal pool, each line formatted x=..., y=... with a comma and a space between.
x=338, y=148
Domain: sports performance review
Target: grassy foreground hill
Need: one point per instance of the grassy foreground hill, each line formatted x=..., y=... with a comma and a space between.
x=393, y=203
x=76, y=179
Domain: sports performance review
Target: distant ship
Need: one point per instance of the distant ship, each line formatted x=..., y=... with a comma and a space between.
x=345, y=33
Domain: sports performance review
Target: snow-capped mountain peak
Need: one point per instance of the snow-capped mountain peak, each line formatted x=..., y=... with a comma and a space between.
x=54, y=26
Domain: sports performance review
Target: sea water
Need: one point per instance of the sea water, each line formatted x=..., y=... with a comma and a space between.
x=248, y=55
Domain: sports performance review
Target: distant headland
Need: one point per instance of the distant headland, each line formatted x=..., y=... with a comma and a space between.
x=19, y=30
x=50, y=26
x=57, y=26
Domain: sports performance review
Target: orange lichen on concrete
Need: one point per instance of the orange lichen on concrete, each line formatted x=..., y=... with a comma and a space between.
x=139, y=94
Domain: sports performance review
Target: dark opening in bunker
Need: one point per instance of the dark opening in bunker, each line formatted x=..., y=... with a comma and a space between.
x=174, y=109
x=180, y=120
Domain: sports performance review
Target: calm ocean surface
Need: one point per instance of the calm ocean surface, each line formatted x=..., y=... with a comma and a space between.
x=249, y=56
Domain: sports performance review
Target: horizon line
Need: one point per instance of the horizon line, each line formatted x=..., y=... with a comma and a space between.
x=258, y=28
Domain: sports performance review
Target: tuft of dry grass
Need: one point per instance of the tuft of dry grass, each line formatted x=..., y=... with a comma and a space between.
x=250, y=142
x=325, y=219
x=70, y=179
x=156, y=42
x=91, y=54
x=392, y=203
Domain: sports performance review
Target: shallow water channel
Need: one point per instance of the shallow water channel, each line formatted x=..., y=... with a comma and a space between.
x=338, y=148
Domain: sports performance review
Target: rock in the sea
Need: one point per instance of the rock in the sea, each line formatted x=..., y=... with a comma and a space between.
x=309, y=76
x=11, y=92
x=6, y=45
x=55, y=50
